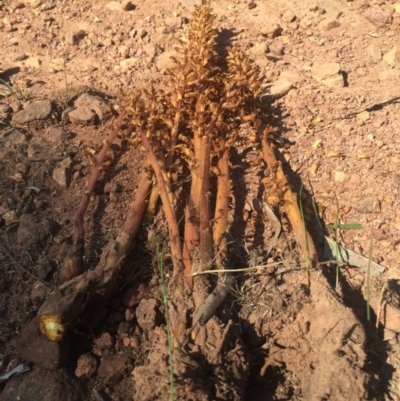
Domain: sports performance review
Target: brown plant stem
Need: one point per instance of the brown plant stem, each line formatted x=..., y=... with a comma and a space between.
x=73, y=264
x=288, y=203
x=176, y=249
x=70, y=300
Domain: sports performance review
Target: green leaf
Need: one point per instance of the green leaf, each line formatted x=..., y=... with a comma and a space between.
x=346, y=226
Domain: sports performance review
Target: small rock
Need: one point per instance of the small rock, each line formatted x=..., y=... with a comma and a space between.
x=113, y=368
x=111, y=187
x=379, y=234
x=77, y=37
x=135, y=294
x=174, y=22
x=135, y=341
x=10, y=217
x=259, y=49
x=58, y=135
x=126, y=341
x=252, y=5
x=33, y=62
x=339, y=176
x=61, y=176
x=33, y=346
x=271, y=31
x=390, y=317
x=391, y=56
x=280, y=88
x=378, y=16
x=288, y=16
x=151, y=50
x=147, y=314
x=21, y=57
x=329, y=24
x=165, y=61
x=86, y=366
x=82, y=116
x=13, y=137
x=33, y=229
x=32, y=3
x=43, y=385
x=277, y=47
x=96, y=104
x=106, y=340
x=365, y=205
x=38, y=110
x=162, y=36
x=127, y=63
x=327, y=73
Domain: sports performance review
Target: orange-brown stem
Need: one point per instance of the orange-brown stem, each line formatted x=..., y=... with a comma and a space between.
x=176, y=249
x=73, y=264
x=222, y=206
x=289, y=204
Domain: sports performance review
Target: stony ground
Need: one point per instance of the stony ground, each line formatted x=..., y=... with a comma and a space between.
x=332, y=74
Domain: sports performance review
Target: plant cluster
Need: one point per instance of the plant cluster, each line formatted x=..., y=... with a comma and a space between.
x=191, y=121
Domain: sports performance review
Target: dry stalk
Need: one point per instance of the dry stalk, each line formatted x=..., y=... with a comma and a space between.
x=281, y=194
x=73, y=264
x=69, y=301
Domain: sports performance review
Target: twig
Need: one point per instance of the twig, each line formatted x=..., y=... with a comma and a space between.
x=44, y=159
x=373, y=106
x=221, y=341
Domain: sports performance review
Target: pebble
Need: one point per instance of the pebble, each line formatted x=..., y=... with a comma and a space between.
x=113, y=368
x=61, y=176
x=390, y=57
x=339, y=176
x=106, y=340
x=128, y=63
x=288, y=16
x=33, y=62
x=271, y=31
x=280, y=88
x=252, y=5
x=37, y=110
x=148, y=314
x=12, y=137
x=328, y=74
x=174, y=22
x=58, y=135
x=10, y=217
x=329, y=24
x=82, y=116
x=365, y=205
x=33, y=3
x=95, y=103
x=259, y=49
x=86, y=366
x=378, y=16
